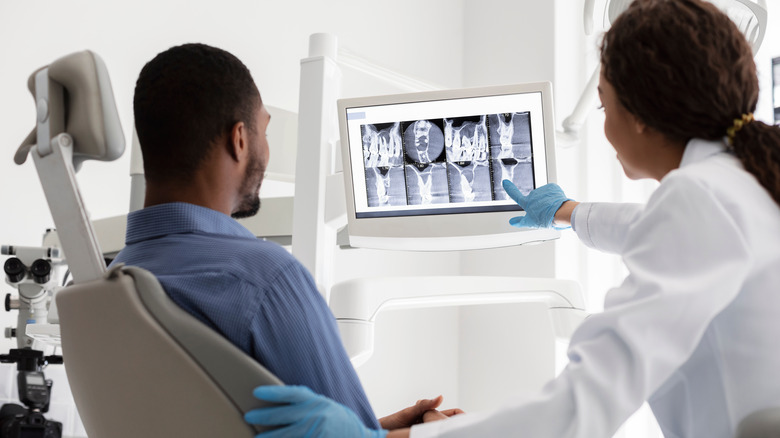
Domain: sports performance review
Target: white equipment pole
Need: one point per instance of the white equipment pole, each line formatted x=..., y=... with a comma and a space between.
x=54, y=161
x=314, y=235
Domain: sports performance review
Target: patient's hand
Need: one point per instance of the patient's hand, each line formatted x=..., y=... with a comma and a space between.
x=422, y=411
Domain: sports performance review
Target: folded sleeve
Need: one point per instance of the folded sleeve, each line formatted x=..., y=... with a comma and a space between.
x=687, y=261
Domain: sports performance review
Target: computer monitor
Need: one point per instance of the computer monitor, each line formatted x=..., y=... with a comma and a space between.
x=423, y=171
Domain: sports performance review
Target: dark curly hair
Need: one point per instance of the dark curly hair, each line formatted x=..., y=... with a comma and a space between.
x=186, y=99
x=685, y=70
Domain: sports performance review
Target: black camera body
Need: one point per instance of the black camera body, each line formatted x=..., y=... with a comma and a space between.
x=17, y=421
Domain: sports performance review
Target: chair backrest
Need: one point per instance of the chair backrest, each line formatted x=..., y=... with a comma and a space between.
x=140, y=366
x=760, y=424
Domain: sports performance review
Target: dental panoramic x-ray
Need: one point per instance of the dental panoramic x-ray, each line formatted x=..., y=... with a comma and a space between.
x=447, y=160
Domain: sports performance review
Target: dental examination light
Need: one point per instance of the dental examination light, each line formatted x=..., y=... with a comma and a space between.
x=750, y=16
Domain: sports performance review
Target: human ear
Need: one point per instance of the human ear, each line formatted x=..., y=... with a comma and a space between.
x=238, y=145
x=639, y=125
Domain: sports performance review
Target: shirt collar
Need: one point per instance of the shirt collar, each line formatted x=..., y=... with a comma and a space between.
x=698, y=150
x=178, y=218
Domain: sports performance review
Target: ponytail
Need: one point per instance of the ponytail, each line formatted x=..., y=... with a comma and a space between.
x=757, y=145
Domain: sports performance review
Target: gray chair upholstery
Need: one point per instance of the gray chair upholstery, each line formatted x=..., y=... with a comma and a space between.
x=89, y=111
x=140, y=366
x=760, y=424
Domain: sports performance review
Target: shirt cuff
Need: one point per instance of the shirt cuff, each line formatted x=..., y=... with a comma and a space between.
x=574, y=217
x=579, y=222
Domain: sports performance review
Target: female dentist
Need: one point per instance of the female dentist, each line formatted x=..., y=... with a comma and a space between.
x=694, y=327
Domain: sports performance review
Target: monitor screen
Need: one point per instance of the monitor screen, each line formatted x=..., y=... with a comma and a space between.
x=423, y=171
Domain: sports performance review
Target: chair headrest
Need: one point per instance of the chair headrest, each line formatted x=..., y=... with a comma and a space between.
x=91, y=116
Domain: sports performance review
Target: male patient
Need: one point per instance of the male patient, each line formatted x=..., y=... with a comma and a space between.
x=201, y=124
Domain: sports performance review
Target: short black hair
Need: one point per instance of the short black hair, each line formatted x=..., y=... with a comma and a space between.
x=187, y=98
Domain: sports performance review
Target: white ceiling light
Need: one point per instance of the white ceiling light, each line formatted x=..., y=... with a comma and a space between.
x=750, y=16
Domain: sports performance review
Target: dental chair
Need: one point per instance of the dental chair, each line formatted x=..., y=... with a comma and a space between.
x=138, y=365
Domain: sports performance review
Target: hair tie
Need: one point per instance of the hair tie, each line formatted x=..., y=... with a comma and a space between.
x=737, y=126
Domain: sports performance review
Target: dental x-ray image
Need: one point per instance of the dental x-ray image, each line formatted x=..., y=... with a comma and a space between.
x=423, y=141
x=469, y=181
x=510, y=151
x=383, y=159
x=466, y=144
x=427, y=184
x=426, y=169
x=451, y=160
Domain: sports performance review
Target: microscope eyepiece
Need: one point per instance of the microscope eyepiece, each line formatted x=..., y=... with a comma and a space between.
x=14, y=269
x=41, y=270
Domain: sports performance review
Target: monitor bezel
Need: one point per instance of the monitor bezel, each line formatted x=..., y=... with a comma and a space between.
x=444, y=231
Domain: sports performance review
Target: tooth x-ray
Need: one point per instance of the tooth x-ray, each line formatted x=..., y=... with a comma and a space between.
x=510, y=151
x=451, y=160
x=384, y=163
x=466, y=142
x=426, y=169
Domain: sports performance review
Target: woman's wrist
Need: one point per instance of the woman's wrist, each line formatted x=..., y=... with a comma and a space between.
x=563, y=215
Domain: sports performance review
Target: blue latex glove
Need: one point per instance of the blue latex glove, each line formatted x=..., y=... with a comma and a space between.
x=306, y=414
x=540, y=205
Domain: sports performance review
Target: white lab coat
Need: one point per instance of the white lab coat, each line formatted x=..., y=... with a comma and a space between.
x=694, y=328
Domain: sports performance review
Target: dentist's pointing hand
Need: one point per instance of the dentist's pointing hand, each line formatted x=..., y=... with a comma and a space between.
x=540, y=206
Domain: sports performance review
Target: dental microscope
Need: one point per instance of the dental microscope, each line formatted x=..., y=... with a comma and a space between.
x=34, y=272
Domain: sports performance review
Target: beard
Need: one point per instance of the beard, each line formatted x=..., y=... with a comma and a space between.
x=250, y=190
x=250, y=205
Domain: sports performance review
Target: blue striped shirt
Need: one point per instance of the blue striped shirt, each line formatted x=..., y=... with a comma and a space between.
x=251, y=291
